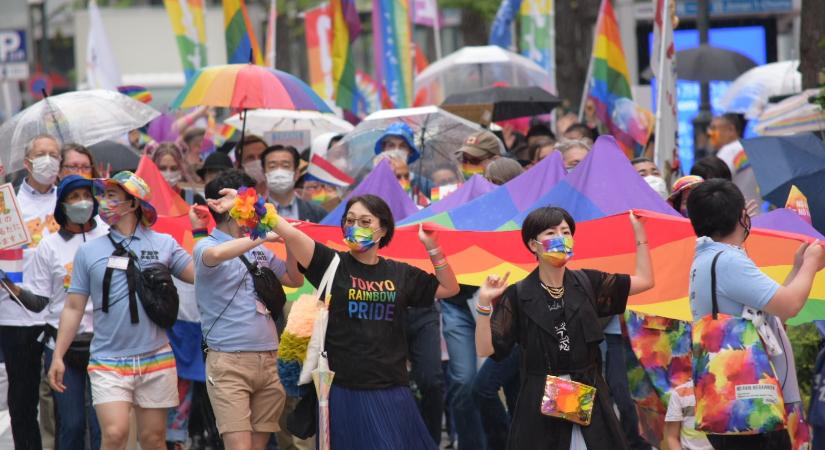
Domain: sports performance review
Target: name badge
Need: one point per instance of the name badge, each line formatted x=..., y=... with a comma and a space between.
x=118, y=262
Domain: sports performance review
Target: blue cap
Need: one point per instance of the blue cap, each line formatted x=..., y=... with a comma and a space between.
x=66, y=186
x=403, y=131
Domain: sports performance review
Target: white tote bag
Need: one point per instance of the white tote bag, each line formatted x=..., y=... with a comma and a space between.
x=315, y=349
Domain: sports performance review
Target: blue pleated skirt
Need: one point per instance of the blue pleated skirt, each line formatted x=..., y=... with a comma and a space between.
x=379, y=419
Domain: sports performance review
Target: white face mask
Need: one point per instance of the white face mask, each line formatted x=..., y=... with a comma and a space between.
x=45, y=169
x=657, y=184
x=172, y=177
x=280, y=181
x=253, y=169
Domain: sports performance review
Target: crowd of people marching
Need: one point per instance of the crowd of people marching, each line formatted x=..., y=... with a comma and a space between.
x=419, y=359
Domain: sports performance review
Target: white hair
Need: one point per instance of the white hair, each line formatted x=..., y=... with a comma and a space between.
x=566, y=145
x=30, y=144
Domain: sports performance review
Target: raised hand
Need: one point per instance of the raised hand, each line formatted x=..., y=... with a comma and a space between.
x=225, y=203
x=492, y=289
x=428, y=238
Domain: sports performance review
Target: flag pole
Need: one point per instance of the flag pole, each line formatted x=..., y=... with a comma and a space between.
x=586, y=87
x=437, y=31
x=658, y=150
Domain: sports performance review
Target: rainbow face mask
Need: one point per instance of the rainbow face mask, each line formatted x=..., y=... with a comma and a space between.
x=320, y=197
x=557, y=250
x=359, y=239
x=405, y=184
x=468, y=170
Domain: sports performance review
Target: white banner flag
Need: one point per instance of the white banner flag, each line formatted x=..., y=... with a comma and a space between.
x=101, y=66
x=663, y=64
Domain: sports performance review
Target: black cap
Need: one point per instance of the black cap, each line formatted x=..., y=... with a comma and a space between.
x=215, y=161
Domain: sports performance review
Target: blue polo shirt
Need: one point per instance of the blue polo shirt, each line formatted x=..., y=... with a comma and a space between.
x=241, y=328
x=739, y=282
x=115, y=335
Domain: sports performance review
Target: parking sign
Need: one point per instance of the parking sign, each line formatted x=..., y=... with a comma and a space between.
x=14, y=61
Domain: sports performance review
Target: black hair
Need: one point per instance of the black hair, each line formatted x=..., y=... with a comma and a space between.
x=585, y=131
x=228, y=179
x=738, y=122
x=378, y=208
x=540, y=129
x=542, y=219
x=334, y=140
x=296, y=157
x=711, y=167
x=640, y=160
x=715, y=208
x=534, y=149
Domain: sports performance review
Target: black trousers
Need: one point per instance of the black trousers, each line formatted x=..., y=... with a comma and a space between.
x=23, y=353
x=775, y=440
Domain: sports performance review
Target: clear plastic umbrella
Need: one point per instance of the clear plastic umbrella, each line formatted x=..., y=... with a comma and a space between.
x=750, y=92
x=475, y=68
x=438, y=135
x=81, y=117
x=261, y=121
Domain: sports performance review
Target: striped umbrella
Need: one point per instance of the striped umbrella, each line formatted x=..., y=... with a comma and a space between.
x=247, y=86
x=792, y=116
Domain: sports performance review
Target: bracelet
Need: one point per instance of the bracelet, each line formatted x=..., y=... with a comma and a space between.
x=435, y=251
x=440, y=267
x=439, y=262
x=641, y=242
x=253, y=212
x=484, y=310
x=199, y=233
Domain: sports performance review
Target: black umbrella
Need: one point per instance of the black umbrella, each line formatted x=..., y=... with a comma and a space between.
x=115, y=155
x=706, y=63
x=504, y=103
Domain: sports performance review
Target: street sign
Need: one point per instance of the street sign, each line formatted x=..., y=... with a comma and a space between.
x=14, y=61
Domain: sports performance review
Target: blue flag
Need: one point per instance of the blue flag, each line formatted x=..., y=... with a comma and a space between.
x=501, y=31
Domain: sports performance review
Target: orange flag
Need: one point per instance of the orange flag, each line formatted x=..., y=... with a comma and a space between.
x=165, y=200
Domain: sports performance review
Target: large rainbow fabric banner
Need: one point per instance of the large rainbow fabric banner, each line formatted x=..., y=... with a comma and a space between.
x=604, y=244
x=392, y=49
x=609, y=85
x=346, y=27
x=190, y=33
x=240, y=35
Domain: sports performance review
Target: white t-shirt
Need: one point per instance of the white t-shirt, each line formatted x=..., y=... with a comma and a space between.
x=38, y=214
x=50, y=273
x=682, y=408
x=743, y=177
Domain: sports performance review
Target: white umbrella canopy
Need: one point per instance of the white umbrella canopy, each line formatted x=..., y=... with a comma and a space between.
x=475, y=68
x=438, y=135
x=750, y=93
x=80, y=117
x=261, y=121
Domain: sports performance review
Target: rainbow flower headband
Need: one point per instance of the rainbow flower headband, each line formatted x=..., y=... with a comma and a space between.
x=253, y=213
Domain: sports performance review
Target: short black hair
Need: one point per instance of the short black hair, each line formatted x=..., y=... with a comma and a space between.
x=540, y=129
x=378, y=208
x=715, y=207
x=711, y=167
x=737, y=120
x=542, y=219
x=641, y=160
x=280, y=148
x=228, y=179
x=586, y=131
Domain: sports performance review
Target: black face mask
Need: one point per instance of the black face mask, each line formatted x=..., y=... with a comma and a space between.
x=746, y=224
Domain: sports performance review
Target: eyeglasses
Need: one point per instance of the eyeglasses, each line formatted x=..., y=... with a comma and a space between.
x=468, y=159
x=402, y=176
x=363, y=221
x=78, y=168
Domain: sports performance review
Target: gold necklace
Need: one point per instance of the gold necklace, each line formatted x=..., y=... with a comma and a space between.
x=555, y=292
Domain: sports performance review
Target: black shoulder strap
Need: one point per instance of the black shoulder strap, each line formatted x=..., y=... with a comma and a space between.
x=714, y=302
x=252, y=268
x=131, y=280
x=584, y=282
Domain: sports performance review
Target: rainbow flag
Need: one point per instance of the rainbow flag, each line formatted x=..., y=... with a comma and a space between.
x=609, y=86
x=240, y=36
x=190, y=33
x=392, y=49
x=345, y=29
x=138, y=93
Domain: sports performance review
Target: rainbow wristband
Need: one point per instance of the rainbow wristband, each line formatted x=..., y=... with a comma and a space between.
x=199, y=233
x=484, y=310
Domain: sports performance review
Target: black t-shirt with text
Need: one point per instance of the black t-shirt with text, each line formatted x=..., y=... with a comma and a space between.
x=366, y=341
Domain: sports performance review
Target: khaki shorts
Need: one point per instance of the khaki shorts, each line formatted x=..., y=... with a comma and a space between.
x=149, y=380
x=245, y=390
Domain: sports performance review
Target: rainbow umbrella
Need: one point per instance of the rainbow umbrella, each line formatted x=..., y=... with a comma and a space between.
x=247, y=86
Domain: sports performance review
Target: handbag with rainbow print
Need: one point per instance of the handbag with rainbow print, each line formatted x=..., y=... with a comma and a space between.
x=737, y=391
